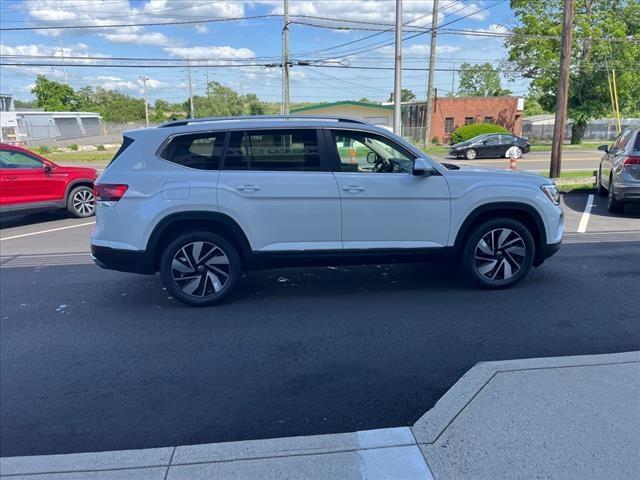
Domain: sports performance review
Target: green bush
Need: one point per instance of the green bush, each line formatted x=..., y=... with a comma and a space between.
x=73, y=146
x=100, y=148
x=462, y=134
x=43, y=149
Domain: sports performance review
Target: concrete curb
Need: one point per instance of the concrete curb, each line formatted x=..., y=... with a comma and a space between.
x=397, y=453
x=383, y=453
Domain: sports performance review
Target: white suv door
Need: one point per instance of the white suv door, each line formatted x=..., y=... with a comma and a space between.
x=275, y=184
x=383, y=204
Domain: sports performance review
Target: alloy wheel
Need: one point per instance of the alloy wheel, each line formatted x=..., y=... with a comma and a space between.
x=84, y=202
x=471, y=154
x=200, y=269
x=500, y=254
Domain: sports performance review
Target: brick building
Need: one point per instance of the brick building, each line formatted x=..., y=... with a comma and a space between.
x=452, y=112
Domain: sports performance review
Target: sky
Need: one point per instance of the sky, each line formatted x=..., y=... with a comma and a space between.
x=236, y=49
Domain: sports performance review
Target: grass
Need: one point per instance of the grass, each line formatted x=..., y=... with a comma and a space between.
x=574, y=187
x=571, y=174
x=574, y=180
x=546, y=147
x=93, y=156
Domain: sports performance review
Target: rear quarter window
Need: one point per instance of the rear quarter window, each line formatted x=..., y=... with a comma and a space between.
x=201, y=151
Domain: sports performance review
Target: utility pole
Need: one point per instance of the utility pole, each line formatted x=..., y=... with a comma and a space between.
x=191, y=111
x=284, y=109
x=64, y=68
x=432, y=63
x=146, y=102
x=397, y=83
x=453, y=78
x=563, y=91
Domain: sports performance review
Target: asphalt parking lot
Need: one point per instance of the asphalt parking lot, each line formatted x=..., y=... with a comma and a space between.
x=95, y=360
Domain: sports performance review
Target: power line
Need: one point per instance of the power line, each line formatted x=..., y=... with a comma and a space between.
x=148, y=24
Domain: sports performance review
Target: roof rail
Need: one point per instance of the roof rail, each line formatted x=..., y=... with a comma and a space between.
x=189, y=121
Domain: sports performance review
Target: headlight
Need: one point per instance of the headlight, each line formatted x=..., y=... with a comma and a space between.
x=551, y=191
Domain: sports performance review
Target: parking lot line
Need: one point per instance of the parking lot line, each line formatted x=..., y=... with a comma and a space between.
x=582, y=226
x=47, y=231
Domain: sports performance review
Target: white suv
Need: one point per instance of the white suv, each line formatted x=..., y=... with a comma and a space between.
x=204, y=200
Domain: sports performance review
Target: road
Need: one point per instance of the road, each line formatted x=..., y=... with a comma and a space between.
x=95, y=360
x=539, y=161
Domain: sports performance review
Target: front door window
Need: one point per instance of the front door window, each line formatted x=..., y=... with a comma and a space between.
x=365, y=152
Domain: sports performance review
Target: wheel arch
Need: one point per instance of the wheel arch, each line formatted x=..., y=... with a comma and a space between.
x=80, y=182
x=177, y=223
x=522, y=212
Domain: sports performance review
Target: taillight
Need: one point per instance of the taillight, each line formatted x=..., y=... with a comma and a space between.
x=106, y=192
x=631, y=161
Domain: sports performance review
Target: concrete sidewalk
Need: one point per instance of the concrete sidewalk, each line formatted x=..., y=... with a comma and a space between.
x=565, y=418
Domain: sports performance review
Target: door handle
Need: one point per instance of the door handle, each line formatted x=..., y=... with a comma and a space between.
x=12, y=177
x=248, y=188
x=353, y=188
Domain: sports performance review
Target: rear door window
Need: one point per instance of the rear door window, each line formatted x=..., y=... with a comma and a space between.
x=202, y=151
x=273, y=150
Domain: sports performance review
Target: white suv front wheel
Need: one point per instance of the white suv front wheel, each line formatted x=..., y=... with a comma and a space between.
x=499, y=253
x=200, y=268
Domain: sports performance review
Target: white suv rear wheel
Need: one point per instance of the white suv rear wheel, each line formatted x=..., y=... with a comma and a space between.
x=200, y=268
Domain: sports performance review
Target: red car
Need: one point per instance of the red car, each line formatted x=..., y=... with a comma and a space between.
x=30, y=182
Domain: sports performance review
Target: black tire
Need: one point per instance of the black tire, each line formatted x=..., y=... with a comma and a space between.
x=613, y=205
x=517, y=249
x=601, y=190
x=204, y=277
x=81, y=202
x=471, y=154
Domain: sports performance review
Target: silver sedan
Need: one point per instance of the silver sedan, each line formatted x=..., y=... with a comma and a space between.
x=619, y=172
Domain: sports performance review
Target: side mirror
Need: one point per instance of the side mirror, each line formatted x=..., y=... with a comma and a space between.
x=604, y=148
x=47, y=167
x=371, y=157
x=421, y=168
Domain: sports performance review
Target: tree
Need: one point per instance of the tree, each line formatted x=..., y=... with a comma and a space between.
x=20, y=104
x=118, y=107
x=219, y=101
x=481, y=80
x=54, y=96
x=406, y=95
x=160, y=110
x=532, y=103
x=253, y=105
x=603, y=38
x=86, y=99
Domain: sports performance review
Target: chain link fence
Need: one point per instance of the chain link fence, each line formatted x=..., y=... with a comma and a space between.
x=604, y=130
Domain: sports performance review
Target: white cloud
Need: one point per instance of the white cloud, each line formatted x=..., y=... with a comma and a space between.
x=71, y=55
x=152, y=83
x=422, y=51
x=114, y=12
x=418, y=12
x=221, y=55
x=115, y=83
x=493, y=28
x=139, y=38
